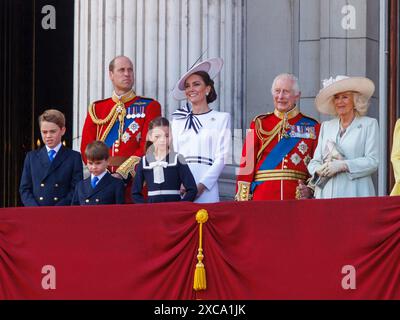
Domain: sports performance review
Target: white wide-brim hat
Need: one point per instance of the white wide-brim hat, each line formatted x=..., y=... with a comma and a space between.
x=212, y=66
x=332, y=86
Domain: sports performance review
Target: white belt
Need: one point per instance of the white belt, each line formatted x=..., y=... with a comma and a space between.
x=163, y=192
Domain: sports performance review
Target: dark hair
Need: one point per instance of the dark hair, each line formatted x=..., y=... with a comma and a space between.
x=96, y=151
x=156, y=122
x=54, y=116
x=212, y=96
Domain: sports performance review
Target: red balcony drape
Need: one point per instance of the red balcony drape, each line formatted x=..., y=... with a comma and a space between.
x=254, y=250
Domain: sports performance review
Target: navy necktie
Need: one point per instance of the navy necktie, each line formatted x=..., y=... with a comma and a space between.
x=52, y=155
x=94, y=181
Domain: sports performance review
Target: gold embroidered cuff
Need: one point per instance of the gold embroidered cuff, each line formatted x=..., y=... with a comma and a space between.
x=243, y=193
x=128, y=167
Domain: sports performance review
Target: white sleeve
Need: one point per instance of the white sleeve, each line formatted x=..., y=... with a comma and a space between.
x=221, y=153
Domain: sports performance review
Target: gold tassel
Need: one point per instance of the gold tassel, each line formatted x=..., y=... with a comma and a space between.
x=200, y=282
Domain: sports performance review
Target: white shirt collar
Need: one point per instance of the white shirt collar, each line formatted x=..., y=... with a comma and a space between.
x=56, y=149
x=99, y=176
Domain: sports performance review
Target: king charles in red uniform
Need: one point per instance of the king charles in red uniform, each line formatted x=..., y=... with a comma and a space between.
x=278, y=148
x=121, y=121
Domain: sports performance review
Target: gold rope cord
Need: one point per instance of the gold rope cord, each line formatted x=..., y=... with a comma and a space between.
x=270, y=135
x=200, y=282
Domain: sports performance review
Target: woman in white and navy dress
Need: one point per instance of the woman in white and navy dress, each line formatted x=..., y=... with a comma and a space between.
x=163, y=170
x=202, y=135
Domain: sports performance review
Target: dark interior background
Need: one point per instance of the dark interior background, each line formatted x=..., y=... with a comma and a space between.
x=36, y=73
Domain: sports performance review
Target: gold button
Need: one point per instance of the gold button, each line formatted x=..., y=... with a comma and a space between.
x=42, y=185
x=116, y=150
x=286, y=160
x=244, y=187
x=87, y=201
x=55, y=199
x=284, y=167
x=41, y=198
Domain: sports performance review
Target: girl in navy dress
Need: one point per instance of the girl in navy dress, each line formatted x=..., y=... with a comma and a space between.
x=163, y=170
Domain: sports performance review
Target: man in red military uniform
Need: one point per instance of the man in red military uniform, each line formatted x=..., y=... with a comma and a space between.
x=121, y=121
x=278, y=149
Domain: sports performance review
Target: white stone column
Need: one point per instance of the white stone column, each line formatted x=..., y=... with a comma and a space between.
x=163, y=38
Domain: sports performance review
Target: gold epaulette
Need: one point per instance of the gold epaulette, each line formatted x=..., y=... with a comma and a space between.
x=243, y=193
x=258, y=126
x=262, y=116
x=128, y=167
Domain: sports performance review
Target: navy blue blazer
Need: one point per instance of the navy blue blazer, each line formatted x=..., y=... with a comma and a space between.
x=109, y=190
x=177, y=173
x=45, y=183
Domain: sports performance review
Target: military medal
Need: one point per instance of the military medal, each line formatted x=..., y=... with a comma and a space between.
x=133, y=112
x=307, y=160
x=296, y=159
x=133, y=127
x=134, y=115
x=304, y=132
x=125, y=137
x=303, y=148
x=311, y=132
x=129, y=116
x=142, y=115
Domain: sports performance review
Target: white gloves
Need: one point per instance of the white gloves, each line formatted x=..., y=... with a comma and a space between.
x=332, y=168
x=321, y=169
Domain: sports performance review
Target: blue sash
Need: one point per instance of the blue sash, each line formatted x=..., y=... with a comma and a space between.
x=281, y=149
x=113, y=134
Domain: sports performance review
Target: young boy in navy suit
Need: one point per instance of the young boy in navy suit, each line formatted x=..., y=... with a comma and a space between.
x=101, y=187
x=50, y=173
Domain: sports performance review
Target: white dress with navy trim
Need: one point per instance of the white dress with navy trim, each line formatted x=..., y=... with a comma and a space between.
x=205, y=148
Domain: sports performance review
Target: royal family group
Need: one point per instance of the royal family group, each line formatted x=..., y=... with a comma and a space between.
x=134, y=155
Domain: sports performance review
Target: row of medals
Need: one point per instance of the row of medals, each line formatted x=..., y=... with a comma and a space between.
x=133, y=115
x=136, y=115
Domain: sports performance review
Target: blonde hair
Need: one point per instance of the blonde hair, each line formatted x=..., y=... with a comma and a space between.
x=361, y=103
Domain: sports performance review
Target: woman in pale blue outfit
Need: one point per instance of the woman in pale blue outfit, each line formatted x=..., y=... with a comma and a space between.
x=348, y=147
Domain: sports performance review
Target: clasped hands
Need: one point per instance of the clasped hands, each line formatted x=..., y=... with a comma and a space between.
x=331, y=168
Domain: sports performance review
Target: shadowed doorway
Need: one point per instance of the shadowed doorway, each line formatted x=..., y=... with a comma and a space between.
x=36, y=73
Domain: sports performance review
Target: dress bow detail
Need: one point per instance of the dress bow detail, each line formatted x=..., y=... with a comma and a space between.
x=158, y=170
x=192, y=122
